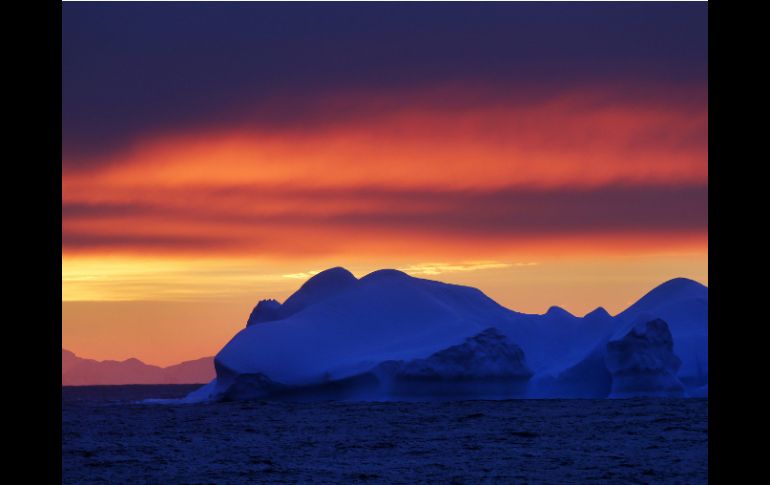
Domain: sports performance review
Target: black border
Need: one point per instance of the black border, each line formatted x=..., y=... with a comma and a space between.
x=40, y=267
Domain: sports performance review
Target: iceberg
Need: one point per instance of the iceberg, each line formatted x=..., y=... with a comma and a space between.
x=389, y=335
x=642, y=362
x=487, y=365
x=683, y=304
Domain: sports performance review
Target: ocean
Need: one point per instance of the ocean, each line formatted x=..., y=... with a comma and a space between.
x=108, y=436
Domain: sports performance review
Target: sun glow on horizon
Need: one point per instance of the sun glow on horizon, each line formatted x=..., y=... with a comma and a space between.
x=120, y=308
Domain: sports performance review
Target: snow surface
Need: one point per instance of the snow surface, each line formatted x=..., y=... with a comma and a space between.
x=337, y=327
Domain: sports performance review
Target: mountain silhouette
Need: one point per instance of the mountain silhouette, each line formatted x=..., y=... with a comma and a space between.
x=77, y=371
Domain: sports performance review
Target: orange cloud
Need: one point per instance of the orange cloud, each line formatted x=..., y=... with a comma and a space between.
x=576, y=138
x=504, y=174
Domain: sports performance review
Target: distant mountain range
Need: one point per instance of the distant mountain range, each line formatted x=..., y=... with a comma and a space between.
x=76, y=371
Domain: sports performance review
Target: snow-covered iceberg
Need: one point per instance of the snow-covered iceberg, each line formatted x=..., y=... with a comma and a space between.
x=487, y=365
x=343, y=337
x=683, y=305
x=642, y=362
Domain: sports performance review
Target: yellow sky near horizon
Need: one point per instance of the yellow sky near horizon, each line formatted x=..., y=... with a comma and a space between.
x=168, y=311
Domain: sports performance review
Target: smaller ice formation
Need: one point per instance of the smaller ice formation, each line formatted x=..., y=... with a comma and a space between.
x=265, y=311
x=487, y=355
x=487, y=365
x=642, y=362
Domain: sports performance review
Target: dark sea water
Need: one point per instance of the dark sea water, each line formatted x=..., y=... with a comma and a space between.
x=107, y=437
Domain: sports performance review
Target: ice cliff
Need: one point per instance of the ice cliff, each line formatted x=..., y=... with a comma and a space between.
x=642, y=362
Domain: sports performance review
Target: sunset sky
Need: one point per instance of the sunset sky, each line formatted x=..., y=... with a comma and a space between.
x=215, y=155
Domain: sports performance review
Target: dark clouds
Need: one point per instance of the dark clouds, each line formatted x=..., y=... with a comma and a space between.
x=367, y=213
x=135, y=69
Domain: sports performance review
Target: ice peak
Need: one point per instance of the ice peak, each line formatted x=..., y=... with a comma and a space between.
x=557, y=310
x=321, y=286
x=598, y=312
x=265, y=311
x=677, y=289
x=332, y=276
x=386, y=274
x=680, y=283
